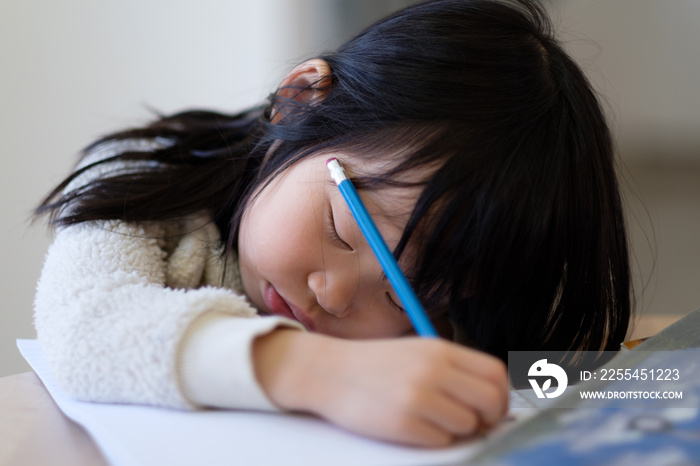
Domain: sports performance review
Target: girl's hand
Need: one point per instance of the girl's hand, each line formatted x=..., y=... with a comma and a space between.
x=418, y=391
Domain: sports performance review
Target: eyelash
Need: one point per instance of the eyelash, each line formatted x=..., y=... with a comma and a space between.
x=394, y=303
x=334, y=232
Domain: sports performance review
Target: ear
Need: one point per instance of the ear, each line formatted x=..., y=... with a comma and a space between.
x=306, y=83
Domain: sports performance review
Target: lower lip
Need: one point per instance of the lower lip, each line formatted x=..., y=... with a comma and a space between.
x=277, y=305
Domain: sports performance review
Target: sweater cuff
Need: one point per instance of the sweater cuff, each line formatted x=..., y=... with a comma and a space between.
x=216, y=364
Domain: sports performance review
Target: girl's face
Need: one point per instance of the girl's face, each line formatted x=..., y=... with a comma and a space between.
x=303, y=256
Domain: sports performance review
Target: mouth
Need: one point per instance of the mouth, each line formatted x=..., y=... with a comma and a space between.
x=277, y=305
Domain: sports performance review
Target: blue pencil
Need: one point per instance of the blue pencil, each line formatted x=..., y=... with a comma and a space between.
x=409, y=300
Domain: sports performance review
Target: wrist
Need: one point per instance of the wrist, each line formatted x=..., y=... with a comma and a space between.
x=287, y=364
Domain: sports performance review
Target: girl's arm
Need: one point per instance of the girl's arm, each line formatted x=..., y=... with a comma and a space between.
x=417, y=391
x=113, y=330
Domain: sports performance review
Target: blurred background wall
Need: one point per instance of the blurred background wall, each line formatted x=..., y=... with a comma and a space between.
x=77, y=69
x=643, y=58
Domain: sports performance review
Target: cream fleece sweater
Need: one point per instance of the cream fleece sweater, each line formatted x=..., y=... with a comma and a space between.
x=138, y=313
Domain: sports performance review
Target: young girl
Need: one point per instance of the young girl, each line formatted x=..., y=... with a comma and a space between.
x=208, y=260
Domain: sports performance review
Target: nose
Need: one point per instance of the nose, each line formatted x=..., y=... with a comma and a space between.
x=334, y=289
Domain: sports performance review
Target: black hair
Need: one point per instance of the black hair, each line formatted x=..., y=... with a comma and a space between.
x=519, y=228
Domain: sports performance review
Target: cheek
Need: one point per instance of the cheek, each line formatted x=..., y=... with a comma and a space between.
x=281, y=235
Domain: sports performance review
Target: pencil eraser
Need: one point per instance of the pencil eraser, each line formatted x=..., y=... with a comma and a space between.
x=330, y=160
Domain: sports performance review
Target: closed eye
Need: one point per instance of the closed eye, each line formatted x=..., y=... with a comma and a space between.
x=333, y=231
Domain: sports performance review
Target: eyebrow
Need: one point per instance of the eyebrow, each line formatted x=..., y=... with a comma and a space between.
x=396, y=220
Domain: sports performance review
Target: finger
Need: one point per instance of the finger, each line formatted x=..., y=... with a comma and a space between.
x=450, y=415
x=488, y=400
x=485, y=367
x=482, y=365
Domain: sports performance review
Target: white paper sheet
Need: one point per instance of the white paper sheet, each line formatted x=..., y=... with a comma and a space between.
x=142, y=435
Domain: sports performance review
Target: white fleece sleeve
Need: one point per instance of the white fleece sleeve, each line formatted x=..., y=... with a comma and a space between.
x=216, y=367
x=111, y=330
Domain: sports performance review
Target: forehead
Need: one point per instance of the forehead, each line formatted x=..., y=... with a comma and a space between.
x=390, y=199
x=384, y=198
